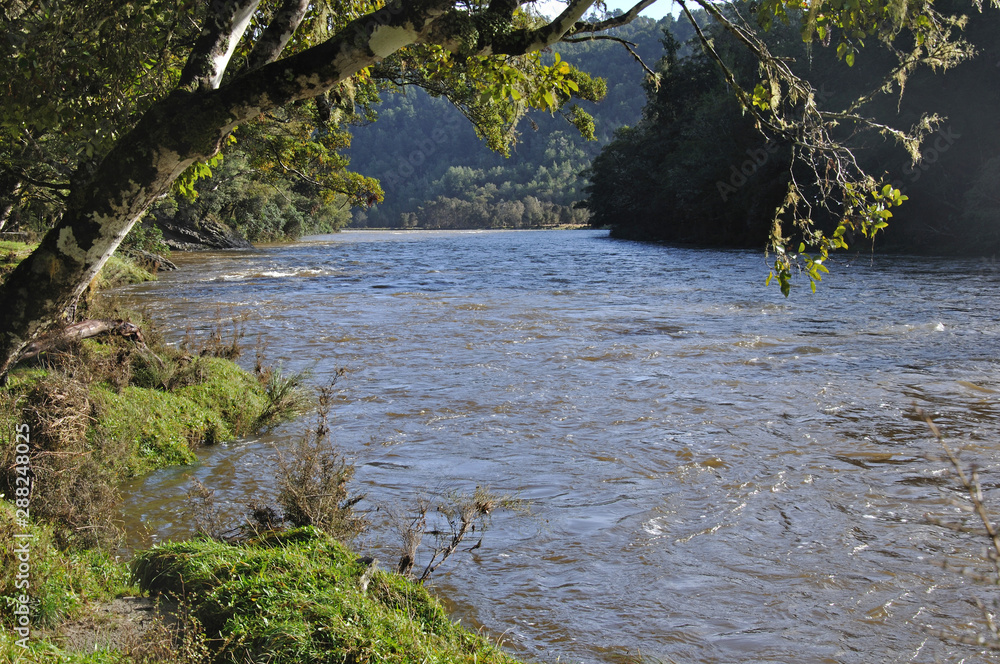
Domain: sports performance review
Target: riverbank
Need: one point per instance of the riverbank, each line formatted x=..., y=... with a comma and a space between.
x=417, y=229
x=91, y=414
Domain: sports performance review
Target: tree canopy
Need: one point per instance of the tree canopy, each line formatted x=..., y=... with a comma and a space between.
x=437, y=174
x=697, y=170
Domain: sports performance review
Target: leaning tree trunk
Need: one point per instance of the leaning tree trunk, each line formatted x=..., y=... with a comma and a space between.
x=187, y=126
x=102, y=208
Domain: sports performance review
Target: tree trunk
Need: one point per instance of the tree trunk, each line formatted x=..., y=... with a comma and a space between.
x=187, y=126
x=102, y=209
x=10, y=189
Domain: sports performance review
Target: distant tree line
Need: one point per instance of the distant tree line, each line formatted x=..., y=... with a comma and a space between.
x=437, y=173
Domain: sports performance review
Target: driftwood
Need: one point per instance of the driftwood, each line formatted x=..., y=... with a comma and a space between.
x=156, y=262
x=82, y=330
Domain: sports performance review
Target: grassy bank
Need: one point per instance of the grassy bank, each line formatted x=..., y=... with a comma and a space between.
x=296, y=596
x=299, y=596
x=101, y=412
x=93, y=414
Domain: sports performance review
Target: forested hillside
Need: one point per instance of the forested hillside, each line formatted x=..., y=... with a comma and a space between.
x=695, y=170
x=436, y=173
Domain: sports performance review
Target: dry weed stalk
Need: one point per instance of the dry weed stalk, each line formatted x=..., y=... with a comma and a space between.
x=71, y=486
x=976, y=521
x=457, y=516
x=208, y=518
x=220, y=342
x=313, y=478
x=312, y=482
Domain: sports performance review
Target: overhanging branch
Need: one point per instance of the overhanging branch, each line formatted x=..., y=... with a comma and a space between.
x=613, y=22
x=629, y=46
x=521, y=42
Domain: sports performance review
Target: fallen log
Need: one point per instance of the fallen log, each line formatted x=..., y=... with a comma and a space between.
x=82, y=330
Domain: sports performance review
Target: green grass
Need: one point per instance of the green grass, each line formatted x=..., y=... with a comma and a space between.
x=61, y=583
x=297, y=597
x=162, y=429
x=107, y=410
x=121, y=271
x=239, y=398
x=118, y=271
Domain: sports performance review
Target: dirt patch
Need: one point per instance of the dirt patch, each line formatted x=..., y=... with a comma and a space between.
x=121, y=624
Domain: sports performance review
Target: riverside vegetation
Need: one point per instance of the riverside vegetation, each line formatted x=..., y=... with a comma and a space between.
x=696, y=170
x=280, y=587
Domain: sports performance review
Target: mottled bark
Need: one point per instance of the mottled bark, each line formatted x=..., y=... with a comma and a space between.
x=101, y=210
x=225, y=24
x=172, y=135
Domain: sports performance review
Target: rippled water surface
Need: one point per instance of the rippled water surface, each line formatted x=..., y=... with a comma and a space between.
x=715, y=473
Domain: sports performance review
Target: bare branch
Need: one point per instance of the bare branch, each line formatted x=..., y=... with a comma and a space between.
x=520, y=42
x=361, y=43
x=629, y=46
x=740, y=93
x=974, y=490
x=56, y=186
x=613, y=22
x=302, y=176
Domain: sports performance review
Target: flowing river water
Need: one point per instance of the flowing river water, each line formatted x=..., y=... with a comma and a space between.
x=715, y=473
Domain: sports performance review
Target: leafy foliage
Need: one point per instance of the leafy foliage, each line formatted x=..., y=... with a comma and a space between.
x=76, y=76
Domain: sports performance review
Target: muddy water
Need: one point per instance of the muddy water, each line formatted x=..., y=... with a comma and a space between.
x=715, y=473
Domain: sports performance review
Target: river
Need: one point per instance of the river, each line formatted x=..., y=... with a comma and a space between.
x=715, y=473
